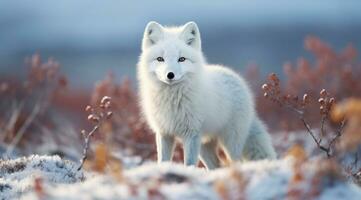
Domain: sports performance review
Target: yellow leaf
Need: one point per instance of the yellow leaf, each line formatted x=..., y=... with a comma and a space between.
x=298, y=152
x=101, y=157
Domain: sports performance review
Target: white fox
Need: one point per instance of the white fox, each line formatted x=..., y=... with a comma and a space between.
x=206, y=106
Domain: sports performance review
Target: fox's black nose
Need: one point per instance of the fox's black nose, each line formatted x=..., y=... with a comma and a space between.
x=170, y=75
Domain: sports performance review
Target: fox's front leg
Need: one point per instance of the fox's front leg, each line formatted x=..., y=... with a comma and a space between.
x=165, y=147
x=191, y=146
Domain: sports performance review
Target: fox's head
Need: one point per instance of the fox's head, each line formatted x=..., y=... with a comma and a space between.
x=171, y=54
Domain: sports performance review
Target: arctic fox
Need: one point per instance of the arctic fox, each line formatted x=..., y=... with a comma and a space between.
x=206, y=106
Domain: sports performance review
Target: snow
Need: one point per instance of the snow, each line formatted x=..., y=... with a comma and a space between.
x=342, y=192
x=249, y=180
x=17, y=176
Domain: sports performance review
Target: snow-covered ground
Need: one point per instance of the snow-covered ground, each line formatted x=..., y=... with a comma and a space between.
x=50, y=177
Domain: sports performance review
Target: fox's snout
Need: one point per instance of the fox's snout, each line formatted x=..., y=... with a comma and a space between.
x=170, y=75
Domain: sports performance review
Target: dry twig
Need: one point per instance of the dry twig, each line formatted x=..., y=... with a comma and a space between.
x=97, y=116
x=272, y=91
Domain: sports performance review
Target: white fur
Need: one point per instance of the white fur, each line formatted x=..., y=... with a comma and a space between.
x=206, y=106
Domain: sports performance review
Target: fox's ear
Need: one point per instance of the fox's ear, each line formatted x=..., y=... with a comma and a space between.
x=152, y=34
x=191, y=35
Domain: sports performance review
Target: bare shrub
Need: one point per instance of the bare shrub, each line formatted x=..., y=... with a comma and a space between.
x=299, y=106
x=337, y=72
x=25, y=103
x=97, y=116
x=338, y=135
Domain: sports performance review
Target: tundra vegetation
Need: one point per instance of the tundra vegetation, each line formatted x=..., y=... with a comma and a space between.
x=313, y=111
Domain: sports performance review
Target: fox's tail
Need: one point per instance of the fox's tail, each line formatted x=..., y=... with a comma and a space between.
x=259, y=143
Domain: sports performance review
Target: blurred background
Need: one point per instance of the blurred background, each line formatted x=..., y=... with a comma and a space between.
x=91, y=38
x=57, y=57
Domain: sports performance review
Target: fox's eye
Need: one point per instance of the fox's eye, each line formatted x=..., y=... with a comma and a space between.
x=160, y=59
x=181, y=59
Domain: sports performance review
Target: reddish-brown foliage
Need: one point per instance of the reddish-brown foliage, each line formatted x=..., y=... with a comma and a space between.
x=126, y=130
x=25, y=103
x=337, y=72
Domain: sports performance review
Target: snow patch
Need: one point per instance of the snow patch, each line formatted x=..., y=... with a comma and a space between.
x=249, y=180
